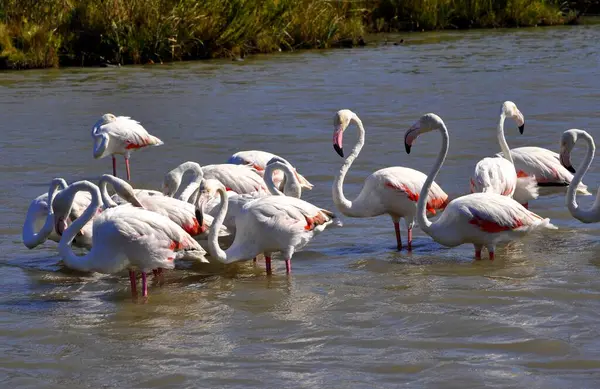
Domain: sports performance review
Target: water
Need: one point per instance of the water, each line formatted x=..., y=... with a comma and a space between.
x=354, y=313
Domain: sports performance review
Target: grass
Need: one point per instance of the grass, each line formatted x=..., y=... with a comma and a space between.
x=51, y=33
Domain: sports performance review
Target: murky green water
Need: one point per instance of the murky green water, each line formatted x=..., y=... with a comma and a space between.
x=355, y=313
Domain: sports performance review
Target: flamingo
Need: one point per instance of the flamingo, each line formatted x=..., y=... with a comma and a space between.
x=591, y=215
x=498, y=175
x=265, y=225
x=120, y=135
x=393, y=190
x=40, y=217
x=259, y=159
x=548, y=168
x=124, y=237
x=483, y=219
x=238, y=178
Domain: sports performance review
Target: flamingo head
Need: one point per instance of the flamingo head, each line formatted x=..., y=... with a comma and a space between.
x=567, y=143
x=426, y=123
x=510, y=110
x=341, y=121
x=171, y=183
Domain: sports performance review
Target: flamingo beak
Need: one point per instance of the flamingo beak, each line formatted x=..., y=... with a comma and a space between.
x=410, y=137
x=565, y=160
x=338, y=135
x=522, y=128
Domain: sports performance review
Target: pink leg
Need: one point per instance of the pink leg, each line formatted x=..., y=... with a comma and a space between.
x=526, y=205
x=127, y=167
x=144, y=285
x=288, y=266
x=491, y=255
x=478, y=253
x=398, y=240
x=268, y=264
x=114, y=166
x=133, y=284
x=409, y=239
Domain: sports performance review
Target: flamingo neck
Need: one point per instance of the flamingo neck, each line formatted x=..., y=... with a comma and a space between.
x=502, y=140
x=213, y=236
x=344, y=205
x=107, y=201
x=176, y=176
x=291, y=186
x=31, y=238
x=422, y=219
x=585, y=215
x=85, y=262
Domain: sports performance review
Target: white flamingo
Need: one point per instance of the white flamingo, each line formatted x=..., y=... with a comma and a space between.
x=548, y=168
x=238, y=178
x=483, y=219
x=125, y=238
x=40, y=218
x=265, y=225
x=393, y=190
x=498, y=175
x=591, y=215
x=120, y=135
x=259, y=159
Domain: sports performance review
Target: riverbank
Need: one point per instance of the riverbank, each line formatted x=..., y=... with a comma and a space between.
x=52, y=33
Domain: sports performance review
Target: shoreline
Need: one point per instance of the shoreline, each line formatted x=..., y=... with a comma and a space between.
x=92, y=34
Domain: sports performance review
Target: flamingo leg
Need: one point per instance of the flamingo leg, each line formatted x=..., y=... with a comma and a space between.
x=288, y=266
x=161, y=275
x=268, y=264
x=127, y=167
x=409, y=238
x=133, y=284
x=478, y=252
x=254, y=259
x=144, y=285
x=491, y=255
x=114, y=165
x=398, y=240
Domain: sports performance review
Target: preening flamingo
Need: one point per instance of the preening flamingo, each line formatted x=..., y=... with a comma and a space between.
x=238, y=178
x=259, y=159
x=124, y=238
x=483, y=219
x=591, y=215
x=265, y=225
x=498, y=175
x=40, y=218
x=393, y=190
x=548, y=168
x=120, y=135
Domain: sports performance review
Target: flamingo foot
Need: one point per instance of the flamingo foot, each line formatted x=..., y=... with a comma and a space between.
x=398, y=240
x=410, y=239
x=144, y=285
x=127, y=167
x=268, y=264
x=491, y=255
x=133, y=284
x=288, y=266
x=114, y=160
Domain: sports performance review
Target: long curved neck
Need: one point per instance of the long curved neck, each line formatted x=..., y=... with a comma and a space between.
x=107, y=201
x=31, y=238
x=341, y=202
x=585, y=215
x=213, y=237
x=502, y=139
x=83, y=263
x=291, y=187
x=422, y=219
x=178, y=173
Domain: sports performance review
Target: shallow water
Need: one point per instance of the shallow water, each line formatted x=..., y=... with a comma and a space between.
x=355, y=313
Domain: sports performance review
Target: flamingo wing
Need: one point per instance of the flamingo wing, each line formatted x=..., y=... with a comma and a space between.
x=122, y=134
x=541, y=163
x=238, y=178
x=289, y=213
x=408, y=182
x=494, y=175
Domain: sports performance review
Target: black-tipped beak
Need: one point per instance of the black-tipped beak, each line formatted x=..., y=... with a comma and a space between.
x=407, y=147
x=571, y=169
x=522, y=128
x=199, y=217
x=339, y=150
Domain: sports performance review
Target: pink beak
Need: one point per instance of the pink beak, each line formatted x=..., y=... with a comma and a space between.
x=338, y=136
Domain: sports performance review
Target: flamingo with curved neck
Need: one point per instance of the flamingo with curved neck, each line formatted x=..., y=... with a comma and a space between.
x=31, y=238
x=591, y=215
x=483, y=219
x=124, y=237
x=393, y=190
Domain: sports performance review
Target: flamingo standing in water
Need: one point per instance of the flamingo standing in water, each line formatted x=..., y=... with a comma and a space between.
x=265, y=225
x=591, y=215
x=124, y=237
x=483, y=219
x=120, y=135
x=39, y=217
x=393, y=190
x=259, y=159
x=498, y=175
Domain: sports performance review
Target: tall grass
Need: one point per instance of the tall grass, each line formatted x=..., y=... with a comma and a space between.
x=46, y=33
